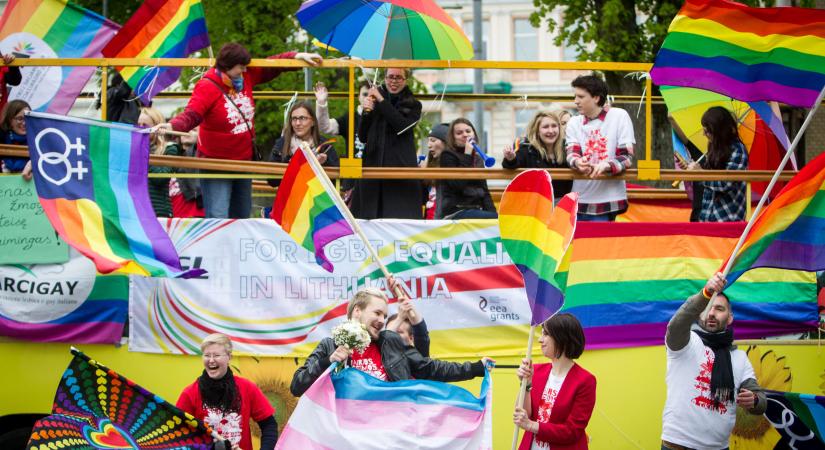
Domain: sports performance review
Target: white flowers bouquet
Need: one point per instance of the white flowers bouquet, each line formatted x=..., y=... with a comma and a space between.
x=352, y=335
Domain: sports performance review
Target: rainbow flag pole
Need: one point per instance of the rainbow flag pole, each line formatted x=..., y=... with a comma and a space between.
x=768, y=189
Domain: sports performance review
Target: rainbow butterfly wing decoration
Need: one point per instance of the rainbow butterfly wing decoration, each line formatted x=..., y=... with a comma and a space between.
x=97, y=407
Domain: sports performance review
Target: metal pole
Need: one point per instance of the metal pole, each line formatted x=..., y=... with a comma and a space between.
x=478, y=74
x=307, y=74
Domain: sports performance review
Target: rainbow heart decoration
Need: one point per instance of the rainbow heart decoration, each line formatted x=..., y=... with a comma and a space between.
x=108, y=436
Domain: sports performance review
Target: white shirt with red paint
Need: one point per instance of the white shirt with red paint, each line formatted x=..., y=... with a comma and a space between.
x=691, y=417
x=369, y=362
x=545, y=408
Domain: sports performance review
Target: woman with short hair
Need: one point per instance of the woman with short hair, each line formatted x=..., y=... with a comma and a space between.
x=223, y=106
x=561, y=394
x=227, y=402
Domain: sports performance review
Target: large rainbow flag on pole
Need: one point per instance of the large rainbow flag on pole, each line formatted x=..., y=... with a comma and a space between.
x=95, y=407
x=746, y=53
x=536, y=236
x=790, y=232
x=624, y=281
x=52, y=29
x=158, y=29
x=92, y=180
x=351, y=410
x=308, y=208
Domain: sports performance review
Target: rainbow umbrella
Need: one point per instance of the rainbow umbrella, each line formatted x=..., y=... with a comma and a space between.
x=764, y=139
x=393, y=29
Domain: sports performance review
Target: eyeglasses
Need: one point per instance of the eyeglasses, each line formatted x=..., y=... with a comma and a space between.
x=215, y=356
x=395, y=78
x=300, y=118
x=19, y=119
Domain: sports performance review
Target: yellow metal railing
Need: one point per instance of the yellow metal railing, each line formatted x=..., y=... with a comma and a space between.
x=648, y=168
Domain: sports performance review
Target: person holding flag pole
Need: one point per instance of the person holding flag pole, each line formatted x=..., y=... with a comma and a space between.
x=537, y=236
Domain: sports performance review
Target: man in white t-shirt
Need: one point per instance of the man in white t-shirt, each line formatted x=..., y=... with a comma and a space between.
x=599, y=144
x=707, y=377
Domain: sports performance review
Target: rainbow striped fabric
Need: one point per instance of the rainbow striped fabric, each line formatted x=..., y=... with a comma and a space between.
x=536, y=235
x=790, y=232
x=351, y=410
x=624, y=281
x=746, y=53
x=67, y=304
x=305, y=207
x=92, y=180
x=52, y=29
x=158, y=29
x=95, y=407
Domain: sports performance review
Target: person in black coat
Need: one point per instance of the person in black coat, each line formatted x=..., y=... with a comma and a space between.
x=542, y=148
x=388, y=357
x=303, y=127
x=388, y=130
x=463, y=199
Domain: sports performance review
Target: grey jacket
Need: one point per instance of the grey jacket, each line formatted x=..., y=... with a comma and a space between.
x=401, y=362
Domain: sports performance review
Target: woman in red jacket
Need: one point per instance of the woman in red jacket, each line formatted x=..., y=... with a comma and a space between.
x=561, y=393
x=223, y=106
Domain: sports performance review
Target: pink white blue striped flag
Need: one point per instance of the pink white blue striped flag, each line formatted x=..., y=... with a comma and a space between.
x=353, y=410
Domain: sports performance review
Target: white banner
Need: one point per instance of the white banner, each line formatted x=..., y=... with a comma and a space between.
x=268, y=294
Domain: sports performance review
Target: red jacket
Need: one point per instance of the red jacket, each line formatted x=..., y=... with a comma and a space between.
x=223, y=133
x=571, y=410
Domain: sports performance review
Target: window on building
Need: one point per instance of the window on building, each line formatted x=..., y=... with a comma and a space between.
x=523, y=117
x=525, y=41
x=485, y=36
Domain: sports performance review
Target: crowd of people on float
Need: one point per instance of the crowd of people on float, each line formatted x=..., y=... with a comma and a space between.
x=597, y=143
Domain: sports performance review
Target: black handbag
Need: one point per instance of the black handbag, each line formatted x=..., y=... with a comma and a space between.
x=256, y=154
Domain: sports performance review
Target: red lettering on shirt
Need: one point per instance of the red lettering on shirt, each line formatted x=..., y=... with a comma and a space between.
x=370, y=362
x=702, y=386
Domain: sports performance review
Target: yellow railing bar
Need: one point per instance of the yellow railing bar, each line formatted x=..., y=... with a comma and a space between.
x=341, y=63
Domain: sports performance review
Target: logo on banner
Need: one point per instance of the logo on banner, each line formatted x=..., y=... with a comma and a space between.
x=498, y=308
x=40, y=83
x=52, y=154
x=44, y=292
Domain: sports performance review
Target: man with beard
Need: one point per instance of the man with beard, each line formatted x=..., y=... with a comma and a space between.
x=707, y=377
x=388, y=357
x=387, y=128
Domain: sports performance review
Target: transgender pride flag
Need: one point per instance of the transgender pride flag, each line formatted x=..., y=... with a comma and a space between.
x=353, y=410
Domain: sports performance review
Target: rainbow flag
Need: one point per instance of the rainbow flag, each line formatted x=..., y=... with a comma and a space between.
x=158, y=29
x=92, y=180
x=52, y=29
x=307, y=207
x=536, y=235
x=349, y=410
x=624, y=281
x=746, y=53
x=790, y=232
x=798, y=418
x=95, y=407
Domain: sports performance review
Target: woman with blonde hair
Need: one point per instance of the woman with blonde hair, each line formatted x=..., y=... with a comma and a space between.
x=225, y=401
x=542, y=148
x=158, y=187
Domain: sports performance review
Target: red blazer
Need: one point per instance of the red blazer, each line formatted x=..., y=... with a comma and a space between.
x=571, y=411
